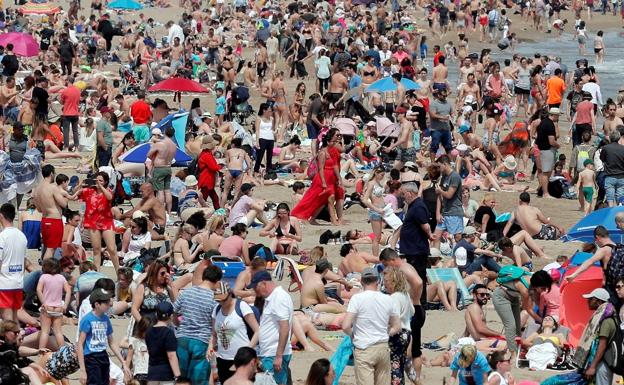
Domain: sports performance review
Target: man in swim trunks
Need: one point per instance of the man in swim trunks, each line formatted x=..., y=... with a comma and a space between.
x=532, y=220
x=161, y=153
x=50, y=200
x=338, y=85
x=476, y=323
x=313, y=297
x=405, y=145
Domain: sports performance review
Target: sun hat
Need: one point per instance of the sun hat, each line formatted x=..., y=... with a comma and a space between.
x=222, y=291
x=190, y=181
x=510, y=162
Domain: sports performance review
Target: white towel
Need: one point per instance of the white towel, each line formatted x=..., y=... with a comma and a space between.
x=542, y=355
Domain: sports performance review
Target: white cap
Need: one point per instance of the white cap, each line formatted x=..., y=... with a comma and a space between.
x=598, y=293
x=461, y=256
x=157, y=132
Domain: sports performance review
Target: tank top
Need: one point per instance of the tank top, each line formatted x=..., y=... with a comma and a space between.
x=524, y=81
x=503, y=381
x=266, y=130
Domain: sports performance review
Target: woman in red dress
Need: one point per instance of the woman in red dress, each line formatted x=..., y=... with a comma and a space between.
x=98, y=217
x=326, y=188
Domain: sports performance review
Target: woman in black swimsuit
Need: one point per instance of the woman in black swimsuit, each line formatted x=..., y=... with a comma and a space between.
x=284, y=230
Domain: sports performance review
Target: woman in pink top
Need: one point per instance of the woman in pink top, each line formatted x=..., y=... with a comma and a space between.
x=236, y=245
x=50, y=292
x=549, y=299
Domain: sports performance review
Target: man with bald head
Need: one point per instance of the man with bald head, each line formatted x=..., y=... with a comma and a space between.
x=154, y=208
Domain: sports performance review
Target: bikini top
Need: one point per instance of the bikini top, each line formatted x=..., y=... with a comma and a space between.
x=368, y=73
x=377, y=190
x=280, y=233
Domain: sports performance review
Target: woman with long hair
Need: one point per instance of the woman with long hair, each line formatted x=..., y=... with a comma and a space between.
x=321, y=373
x=326, y=188
x=265, y=137
x=397, y=286
x=155, y=288
x=284, y=231
x=374, y=200
x=135, y=238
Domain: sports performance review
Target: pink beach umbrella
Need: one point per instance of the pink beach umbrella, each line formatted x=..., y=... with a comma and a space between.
x=23, y=43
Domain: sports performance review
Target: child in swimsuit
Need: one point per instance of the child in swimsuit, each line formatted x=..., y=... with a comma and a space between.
x=585, y=186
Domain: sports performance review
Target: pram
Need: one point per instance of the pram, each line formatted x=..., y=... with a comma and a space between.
x=239, y=108
x=129, y=81
x=561, y=363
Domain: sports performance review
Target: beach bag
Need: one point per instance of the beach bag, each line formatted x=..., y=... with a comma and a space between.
x=509, y=273
x=239, y=312
x=614, y=355
x=63, y=362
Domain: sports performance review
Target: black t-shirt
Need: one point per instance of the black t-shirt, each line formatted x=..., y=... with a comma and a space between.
x=421, y=118
x=159, y=341
x=10, y=64
x=46, y=36
x=41, y=96
x=66, y=50
x=315, y=108
x=414, y=240
x=491, y=223
x=545, y=129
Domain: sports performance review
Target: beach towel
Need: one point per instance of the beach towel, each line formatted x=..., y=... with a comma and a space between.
x=342, y=357
x=580, y=358
x=20, y=177
x=572, y=378
x=541, y=355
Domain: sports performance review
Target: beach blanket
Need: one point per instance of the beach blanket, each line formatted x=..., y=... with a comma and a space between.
x=584, y=347
x=541, y=355
x=572, y=378
x=20, y=177
x=342, y=357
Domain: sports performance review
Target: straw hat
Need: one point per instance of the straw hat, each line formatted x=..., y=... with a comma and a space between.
x=190, y=181
x=208, y=142
x=510, y=162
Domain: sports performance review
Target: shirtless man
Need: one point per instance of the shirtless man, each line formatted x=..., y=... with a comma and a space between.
x=423, y=92
x=176, y=52
x=338, y=85
x=8, y=94
x=161, y=154
x=440, y=76
x=407, y=152
x=465, y=69
x=236, y=160
x=246, y=364
x=214, y=41
x=389, y=257
x=313, y=297
x=532, y=220
x=476, y=324
x=49, y=199
x=470, y=88
x=262, y=58
x=244, y=279
x=154, y=208
x=611, y=119
x=354, y=261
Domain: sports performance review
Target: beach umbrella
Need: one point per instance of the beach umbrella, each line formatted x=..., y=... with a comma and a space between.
x=583, y=230
x=36, y=8
x=387, y=85
x=178, y=85
x=138, y=154
x=124, y=4
x=23, y=43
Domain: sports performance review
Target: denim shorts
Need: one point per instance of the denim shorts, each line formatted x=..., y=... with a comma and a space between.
x=374, y=215
x=452, y=224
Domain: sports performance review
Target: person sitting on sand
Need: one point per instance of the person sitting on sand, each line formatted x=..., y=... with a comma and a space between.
x=313, y=297
x=444, y=293
x=476, y=323
x=532, y=220
x=244, y=278
x=354, y=261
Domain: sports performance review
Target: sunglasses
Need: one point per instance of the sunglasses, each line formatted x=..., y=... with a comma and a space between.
x=618, y=287
x=162, y=273
x=483, y=295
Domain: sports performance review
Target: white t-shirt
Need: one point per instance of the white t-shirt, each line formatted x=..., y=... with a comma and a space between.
x=277, y=307
x=231, y=331
x=406, y=308
x=13, y=245
x=372, y=311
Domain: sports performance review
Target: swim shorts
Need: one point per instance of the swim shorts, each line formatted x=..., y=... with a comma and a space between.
x=161, y=178
x=52, y=232
x=548, y=233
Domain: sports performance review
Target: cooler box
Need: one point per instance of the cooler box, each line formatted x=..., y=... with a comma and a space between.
x=230, y=268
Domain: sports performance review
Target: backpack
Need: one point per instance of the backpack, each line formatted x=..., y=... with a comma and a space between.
x=583, y=154
x=509, y=273
x=614, y=355
x=239, y=312
x=615, y=267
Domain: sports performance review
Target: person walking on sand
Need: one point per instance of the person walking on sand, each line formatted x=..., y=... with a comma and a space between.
x=546, y=141
x=50, y=200
x=585, y=186
x=161, y=154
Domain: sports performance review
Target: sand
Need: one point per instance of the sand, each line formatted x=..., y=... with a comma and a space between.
x=563, y=212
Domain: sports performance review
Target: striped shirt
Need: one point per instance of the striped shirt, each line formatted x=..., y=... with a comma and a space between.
x=195, y=305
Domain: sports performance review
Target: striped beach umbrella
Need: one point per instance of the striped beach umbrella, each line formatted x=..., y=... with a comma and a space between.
x=32, y=8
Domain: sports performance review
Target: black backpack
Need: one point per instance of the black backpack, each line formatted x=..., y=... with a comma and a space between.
x=615, y=268
x=239, y=312
x=615, y=350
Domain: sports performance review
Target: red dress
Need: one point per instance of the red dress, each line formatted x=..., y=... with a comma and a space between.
x=316, y=196
x=98, y=214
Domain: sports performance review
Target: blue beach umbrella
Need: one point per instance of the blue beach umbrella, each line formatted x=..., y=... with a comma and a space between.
x=387, y=85
x=139, y=155
x=583, y=230
x=125, y=4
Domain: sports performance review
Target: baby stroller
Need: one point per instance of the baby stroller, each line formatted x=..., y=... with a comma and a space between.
x=239, y=108
x=129, y=81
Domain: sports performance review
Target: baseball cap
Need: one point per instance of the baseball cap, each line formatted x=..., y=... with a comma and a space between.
x=258, y=277
x=370, y=272
x=100, y=295
x=164, y=308
x=461, y=256
x=157, y=132
x=322, y=265
x=245, y=187
x=587, y=161
x=222, y=291
x=598, y=293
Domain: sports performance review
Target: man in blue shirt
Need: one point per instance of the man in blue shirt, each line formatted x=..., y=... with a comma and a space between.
x=353, y=105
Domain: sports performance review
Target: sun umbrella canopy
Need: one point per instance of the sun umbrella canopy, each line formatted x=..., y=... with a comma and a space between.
x=33, y=8
x=23, y=43
x=387, y=85
x=583, y=230
x=125, y=4
x=138, y=154
x=178, y=85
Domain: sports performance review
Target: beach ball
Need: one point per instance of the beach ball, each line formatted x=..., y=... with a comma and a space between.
x=81, y=84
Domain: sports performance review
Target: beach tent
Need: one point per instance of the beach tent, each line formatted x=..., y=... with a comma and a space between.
x=574, y=312
x=178, y=121
x=583, y=230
